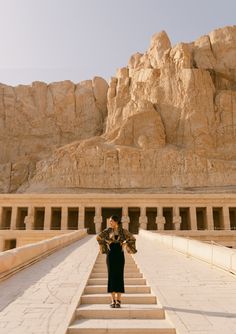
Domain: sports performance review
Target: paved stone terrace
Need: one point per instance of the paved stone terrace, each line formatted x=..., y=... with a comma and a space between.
x=42, y=297
x=199, y=299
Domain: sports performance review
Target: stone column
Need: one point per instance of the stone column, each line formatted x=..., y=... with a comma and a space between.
x=226, y=218
x=47, y=218
x=125, y=218
x=176, y=218
x=160, y=219
x=13, y=218
x=64, y=218
x=193, y=218
x=143, y=218
x=98, y=219
x=81, y=217
x=29, y=219
x=1, y=219
x=209, y=218
x=1, y=244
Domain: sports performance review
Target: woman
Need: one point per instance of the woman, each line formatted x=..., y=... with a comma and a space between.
x=112, y=241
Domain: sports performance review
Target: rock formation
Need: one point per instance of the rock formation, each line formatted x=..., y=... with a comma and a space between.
x=170, y=121
x=37, y=119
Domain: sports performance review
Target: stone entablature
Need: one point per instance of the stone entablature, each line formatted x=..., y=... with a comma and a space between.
x=148, y=211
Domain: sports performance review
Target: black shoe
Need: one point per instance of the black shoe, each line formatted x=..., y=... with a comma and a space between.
x=113, y=304
x=118, y=302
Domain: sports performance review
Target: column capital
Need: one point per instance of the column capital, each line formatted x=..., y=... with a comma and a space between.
x=143, y=222
x=160, y=221
x=177, y=221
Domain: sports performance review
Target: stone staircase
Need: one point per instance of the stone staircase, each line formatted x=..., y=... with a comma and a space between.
x=140, y=311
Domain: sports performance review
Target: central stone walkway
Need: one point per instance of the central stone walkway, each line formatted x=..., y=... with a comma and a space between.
x=140, y=310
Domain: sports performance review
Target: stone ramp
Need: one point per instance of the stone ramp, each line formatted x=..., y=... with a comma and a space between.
x=198, y=298
x=140, y=311
x=41, y=299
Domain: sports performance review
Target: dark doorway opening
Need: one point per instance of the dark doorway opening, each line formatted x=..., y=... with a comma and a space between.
x=218, y=218
x=9, y=244
x=89, y=220
x=168, y=214
x=134, y=214
x=151, y=217
x=21, y=214
x=232, y=217
x=39, y=214
x=56, y=219
x=185, y=219
x=6, y=218
x=73, y=216
x=201, y=219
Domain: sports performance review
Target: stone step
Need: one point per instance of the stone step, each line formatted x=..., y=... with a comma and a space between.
x=126, y=270
x=128, y=281
x=127, y=260
x=115, y=326
x=100, y=298
x=128, y=289
x=104, y=266
x=127, y=311
x=126, y=275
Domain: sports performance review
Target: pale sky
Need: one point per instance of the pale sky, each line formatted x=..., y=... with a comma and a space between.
x=54, y=40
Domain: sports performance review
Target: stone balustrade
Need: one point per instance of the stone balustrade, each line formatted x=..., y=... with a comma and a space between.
x=14, y=259
x=214, y=254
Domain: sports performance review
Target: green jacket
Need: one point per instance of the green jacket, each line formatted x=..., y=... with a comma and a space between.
x=107, y=236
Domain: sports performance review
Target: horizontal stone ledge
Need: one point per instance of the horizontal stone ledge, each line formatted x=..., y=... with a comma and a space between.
x=212, y=253
x=16, y=259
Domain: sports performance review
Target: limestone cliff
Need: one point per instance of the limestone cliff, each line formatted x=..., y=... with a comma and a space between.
x=170, y=123
x=37, y=119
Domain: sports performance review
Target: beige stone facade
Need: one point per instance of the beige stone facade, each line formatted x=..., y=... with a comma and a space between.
x=161, y=212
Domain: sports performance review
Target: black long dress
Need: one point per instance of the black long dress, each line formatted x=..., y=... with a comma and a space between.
x=115, y=267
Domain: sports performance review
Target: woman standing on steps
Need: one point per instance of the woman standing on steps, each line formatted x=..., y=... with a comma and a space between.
x=112, y=241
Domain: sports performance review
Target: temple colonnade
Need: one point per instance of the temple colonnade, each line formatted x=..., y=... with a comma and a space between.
x=148, y=211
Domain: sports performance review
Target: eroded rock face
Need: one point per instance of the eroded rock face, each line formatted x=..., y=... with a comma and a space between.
x=37, y=119
x=170, y=122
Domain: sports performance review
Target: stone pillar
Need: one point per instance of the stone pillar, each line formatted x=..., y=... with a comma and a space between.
x=1, y=244
x=226, y=218
x=1, y=219
x=47, y=218
x=143, y=218
x=81, y=217
x=29, y=219
x=13, y=218
x=160, y=219
x=209, y=218
x=125, y=218
x=193, y=218
x=64, y=218
x=98, y=219
x=176, y=218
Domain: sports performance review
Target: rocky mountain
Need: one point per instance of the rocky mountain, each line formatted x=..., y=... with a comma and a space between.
x=168, y=119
